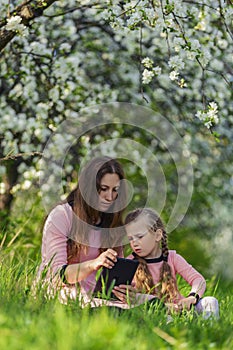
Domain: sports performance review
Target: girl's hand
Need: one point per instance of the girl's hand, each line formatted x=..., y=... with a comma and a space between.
x=125, y=293
x=106, y=259
x=173, y=308
x=186, y=303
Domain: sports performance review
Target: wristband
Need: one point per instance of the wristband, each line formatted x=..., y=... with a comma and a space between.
x=62, y=274
x=196, y=296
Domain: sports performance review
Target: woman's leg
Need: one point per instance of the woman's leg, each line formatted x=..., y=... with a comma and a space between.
x=208, y=307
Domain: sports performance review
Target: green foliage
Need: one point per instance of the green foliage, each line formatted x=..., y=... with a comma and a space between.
x=21, y=234
x=35, y=323
x=79, y=55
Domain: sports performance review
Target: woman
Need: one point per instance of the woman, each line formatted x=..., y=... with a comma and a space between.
x=85, y=232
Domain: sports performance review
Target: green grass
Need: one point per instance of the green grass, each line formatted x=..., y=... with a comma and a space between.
x=29, y=323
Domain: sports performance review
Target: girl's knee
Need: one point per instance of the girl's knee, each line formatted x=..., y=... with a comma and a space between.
x=210, y=301
x=210, y=307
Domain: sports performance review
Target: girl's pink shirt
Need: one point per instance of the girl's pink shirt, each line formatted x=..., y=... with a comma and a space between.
x=179, y=266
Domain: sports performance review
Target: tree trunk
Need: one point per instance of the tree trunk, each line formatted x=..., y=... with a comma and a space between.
x=9, y=180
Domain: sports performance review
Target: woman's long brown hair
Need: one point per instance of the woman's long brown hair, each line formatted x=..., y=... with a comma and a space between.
x=84, y=199
x=167, y=287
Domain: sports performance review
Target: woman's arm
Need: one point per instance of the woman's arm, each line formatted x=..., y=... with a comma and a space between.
x=78, y=272
x=54, y=242
x=54, y=248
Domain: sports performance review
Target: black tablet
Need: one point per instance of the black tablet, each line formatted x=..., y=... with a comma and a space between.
x=122, y=273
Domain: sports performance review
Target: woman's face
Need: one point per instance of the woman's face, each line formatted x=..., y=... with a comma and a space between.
x=109, y=186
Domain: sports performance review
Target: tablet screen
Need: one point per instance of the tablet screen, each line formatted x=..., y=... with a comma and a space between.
x=122, y=273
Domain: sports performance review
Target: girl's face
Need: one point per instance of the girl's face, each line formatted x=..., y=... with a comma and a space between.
x=109, y=186
x=144, y=241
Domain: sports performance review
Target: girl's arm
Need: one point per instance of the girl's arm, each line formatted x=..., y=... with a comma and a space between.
x=190, y=275
x=186, y=303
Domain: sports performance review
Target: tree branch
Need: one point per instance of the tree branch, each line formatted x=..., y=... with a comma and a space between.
x=28, y=10
x=19, y=155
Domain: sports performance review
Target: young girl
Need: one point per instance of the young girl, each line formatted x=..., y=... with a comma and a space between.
x=156, y=274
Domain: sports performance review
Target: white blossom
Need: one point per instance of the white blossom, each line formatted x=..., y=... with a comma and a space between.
x=61, y=80
x=195, y=44
x=134, y=19
x=147, y=76
x=178, y=43
x=205, y=57
x=14, y=23
x=25, y=148
x=173, y=75
x=26, y=185
x=54, y=93
x=176, y=63
x=2, y=188
x=229, y=13
x=191, y=55
x=209, y=116
x=201, y=25
x=8, y=135
x=17, y=90
x=157, y=70
x=65, y=47
x=222, y=43
x=117, y=23
x=147, y=62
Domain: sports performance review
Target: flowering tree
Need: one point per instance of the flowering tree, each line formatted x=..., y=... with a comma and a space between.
x=59, y=57
x=19, y=18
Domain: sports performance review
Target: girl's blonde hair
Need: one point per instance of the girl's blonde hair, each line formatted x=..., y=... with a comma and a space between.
x=167, y=287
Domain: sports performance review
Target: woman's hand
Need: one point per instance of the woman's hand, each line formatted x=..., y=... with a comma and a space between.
x=78, y=272
x=125, y=293
x=106, y=259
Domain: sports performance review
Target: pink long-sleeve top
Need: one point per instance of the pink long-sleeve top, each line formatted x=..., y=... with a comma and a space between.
x=56, y=231
x=54, y=255
x=178, y=266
